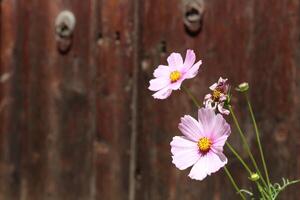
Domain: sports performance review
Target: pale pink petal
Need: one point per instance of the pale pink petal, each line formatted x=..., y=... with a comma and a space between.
x=207, y=96
x=182, y=143
x=206, y=118
x=210, y=104
x=162, y=71
x=193, y=71
x=222, y=109
x=222, y=80
x=190, y=59
x=163, y=93
x=222, y=157
x=215, y=161
x=185, y=152
x=219, y=143
x=175, y=61
x=219, y=127
x=208, y=164
x=158, y=83
x=199, y=170
x=191, y=128
x=223, y=97
x=176, y=85
x=213, y=86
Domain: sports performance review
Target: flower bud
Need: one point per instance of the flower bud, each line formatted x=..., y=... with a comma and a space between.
x=254, y=177
x=243, y=87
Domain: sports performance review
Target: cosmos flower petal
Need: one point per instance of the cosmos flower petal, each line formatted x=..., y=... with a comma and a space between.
x=176, y=85
x=199, y=170
x=206, y=118
x=185, y=152
x=158, y=83
x=220, y=127
x=190, y=59
x=208, y=164
x=209, y=103
x=193, y=71
x=222, y=157
x=175, y=61
x=191, y=128
x=222, y=80
x=207, y=96
x=163, y=93
x=216, y=161
x=222, y=110
x=162, y=71
x=223, y=98
x=219, y=143
x=213, y=86
x=183, y=142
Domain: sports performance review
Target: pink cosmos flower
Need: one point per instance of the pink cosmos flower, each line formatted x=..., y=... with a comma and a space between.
x=201, y=144
x=217, y=99
x=169, y=78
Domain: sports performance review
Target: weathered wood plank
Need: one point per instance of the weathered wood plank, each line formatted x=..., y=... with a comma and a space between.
x=10, y=123
x=74, y=108
x=114, y=54
x=50, y=133
x=274, y=63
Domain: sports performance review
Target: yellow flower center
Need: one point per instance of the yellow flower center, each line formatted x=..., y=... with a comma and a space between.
x=175, y=76
x=216, y=95
x=204, y=144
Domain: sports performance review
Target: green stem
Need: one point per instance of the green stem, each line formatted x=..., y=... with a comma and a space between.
x=262, y=191
x=233, y=183
x=246, y=146
x=187, y=91
x=258, y=140
x=239, y=158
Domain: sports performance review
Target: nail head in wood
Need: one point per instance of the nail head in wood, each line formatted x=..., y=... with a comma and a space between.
x=65, y=23
x=193, y=15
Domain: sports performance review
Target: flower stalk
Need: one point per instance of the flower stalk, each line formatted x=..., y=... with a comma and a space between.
x=234, y=183
x=258, y=140
x=253, y=176
x=239, y=157
x=245, y=144
x=192, y=97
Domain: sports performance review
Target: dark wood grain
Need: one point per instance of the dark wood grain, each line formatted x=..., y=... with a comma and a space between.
x=115, y=82
x=10, y=138
x=50, y=129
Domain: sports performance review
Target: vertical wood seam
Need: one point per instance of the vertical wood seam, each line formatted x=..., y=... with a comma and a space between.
x=92, y=97
x=134, y=104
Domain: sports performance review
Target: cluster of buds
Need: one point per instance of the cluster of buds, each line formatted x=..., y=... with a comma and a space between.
x=218, y=98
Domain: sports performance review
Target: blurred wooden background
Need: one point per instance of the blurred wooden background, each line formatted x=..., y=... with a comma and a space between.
x=79, y=123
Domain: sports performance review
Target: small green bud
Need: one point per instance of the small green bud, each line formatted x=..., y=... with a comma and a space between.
x=243, y=87
x=254, y=177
